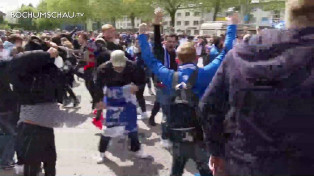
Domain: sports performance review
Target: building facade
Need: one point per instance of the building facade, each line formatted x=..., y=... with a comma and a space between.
x=125, y=23
x=187, y=21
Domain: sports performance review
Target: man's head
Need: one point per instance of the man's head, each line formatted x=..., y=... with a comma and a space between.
x=171, y=42
x=16, y=40
x=108, y=32
x=83, y=37
x=187, y=53
x=299, y=13
x=118, y=60
x=200, y=39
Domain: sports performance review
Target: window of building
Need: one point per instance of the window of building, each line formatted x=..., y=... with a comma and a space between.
x=187, y=13
x=165, y=23
x=188, y=32
x=196, y=32
x=186, y=23
x=129, y=24
x=197, y=13
x=178, y=14
x=196, y=23
x=178, y=23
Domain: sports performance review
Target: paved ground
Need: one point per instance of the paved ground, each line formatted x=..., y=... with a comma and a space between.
x=77, y=148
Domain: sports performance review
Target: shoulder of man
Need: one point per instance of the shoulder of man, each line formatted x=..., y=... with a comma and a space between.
x=105, y=66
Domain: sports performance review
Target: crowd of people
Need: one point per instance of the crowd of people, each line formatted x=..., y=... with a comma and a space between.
x=245, y=111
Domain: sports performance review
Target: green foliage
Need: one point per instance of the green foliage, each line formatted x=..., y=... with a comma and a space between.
x=273, y=5
x=105, y=9
x=27, y=23
x=4, y=26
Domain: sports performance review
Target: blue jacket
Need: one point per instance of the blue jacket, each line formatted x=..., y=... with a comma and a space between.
x=214, y=52
x=205, y=74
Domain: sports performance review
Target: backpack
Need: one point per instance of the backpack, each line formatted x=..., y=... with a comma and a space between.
x=183, y=121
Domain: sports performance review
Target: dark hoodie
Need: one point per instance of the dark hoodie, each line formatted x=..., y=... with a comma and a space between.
x=7, y=96
x=259, y=108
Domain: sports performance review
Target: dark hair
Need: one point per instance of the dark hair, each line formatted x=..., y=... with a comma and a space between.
x=33, y=45
x=56, y=39
x=172, y=36
x=190, y=37
x=67, y=36
x=14, y=38
x=216, y=41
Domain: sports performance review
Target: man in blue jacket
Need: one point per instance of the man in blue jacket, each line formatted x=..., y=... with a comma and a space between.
x=187, y=55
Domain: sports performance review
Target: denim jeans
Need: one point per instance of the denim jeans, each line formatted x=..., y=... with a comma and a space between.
x=164, y=125
x=8, y=125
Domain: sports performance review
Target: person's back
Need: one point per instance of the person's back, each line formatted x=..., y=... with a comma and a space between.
x=184, y=126
x=263, y=93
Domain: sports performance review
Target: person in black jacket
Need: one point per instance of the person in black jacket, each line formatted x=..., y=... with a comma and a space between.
x=39, y=86
x=102, y=54
x=114, y=75
x=8, y=116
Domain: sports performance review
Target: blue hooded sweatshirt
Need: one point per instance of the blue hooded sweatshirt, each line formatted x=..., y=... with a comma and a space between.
x=205, y=74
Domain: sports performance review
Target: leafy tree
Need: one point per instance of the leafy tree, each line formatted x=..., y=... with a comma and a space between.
x=45, y=23
x=27, y=23
x=244, y=6
x=1, y=17
x=138, y=8
x=108, y=10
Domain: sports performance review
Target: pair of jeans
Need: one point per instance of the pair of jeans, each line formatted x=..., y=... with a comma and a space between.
x=69, y=90
x=164, y=124
x=133, y=136
x=140, y=98
x=148, y=74
x=8, y=125
x=90, y=84
x=183, y=151
x=37, y=146
x=162, y=100
x=155, y=110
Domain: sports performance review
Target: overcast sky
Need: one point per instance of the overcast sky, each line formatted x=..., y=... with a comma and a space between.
x=9, y=5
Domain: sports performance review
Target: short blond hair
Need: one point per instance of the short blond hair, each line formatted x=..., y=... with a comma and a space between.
x=107, y=27
x=299, y=13
x=187, y=52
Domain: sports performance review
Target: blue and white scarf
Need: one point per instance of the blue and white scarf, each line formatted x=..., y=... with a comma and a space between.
x=166, y=58
x=121, y=108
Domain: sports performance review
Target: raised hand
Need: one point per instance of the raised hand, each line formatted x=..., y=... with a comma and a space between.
x=158, y=16
x=234, y=19
x=53, y=52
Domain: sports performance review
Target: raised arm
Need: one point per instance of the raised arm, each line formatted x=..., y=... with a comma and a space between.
x=158, y=49
x=33, y=60
x=212, y=68
x=163, y=73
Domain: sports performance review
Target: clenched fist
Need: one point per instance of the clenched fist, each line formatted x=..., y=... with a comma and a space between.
x=53, y=52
